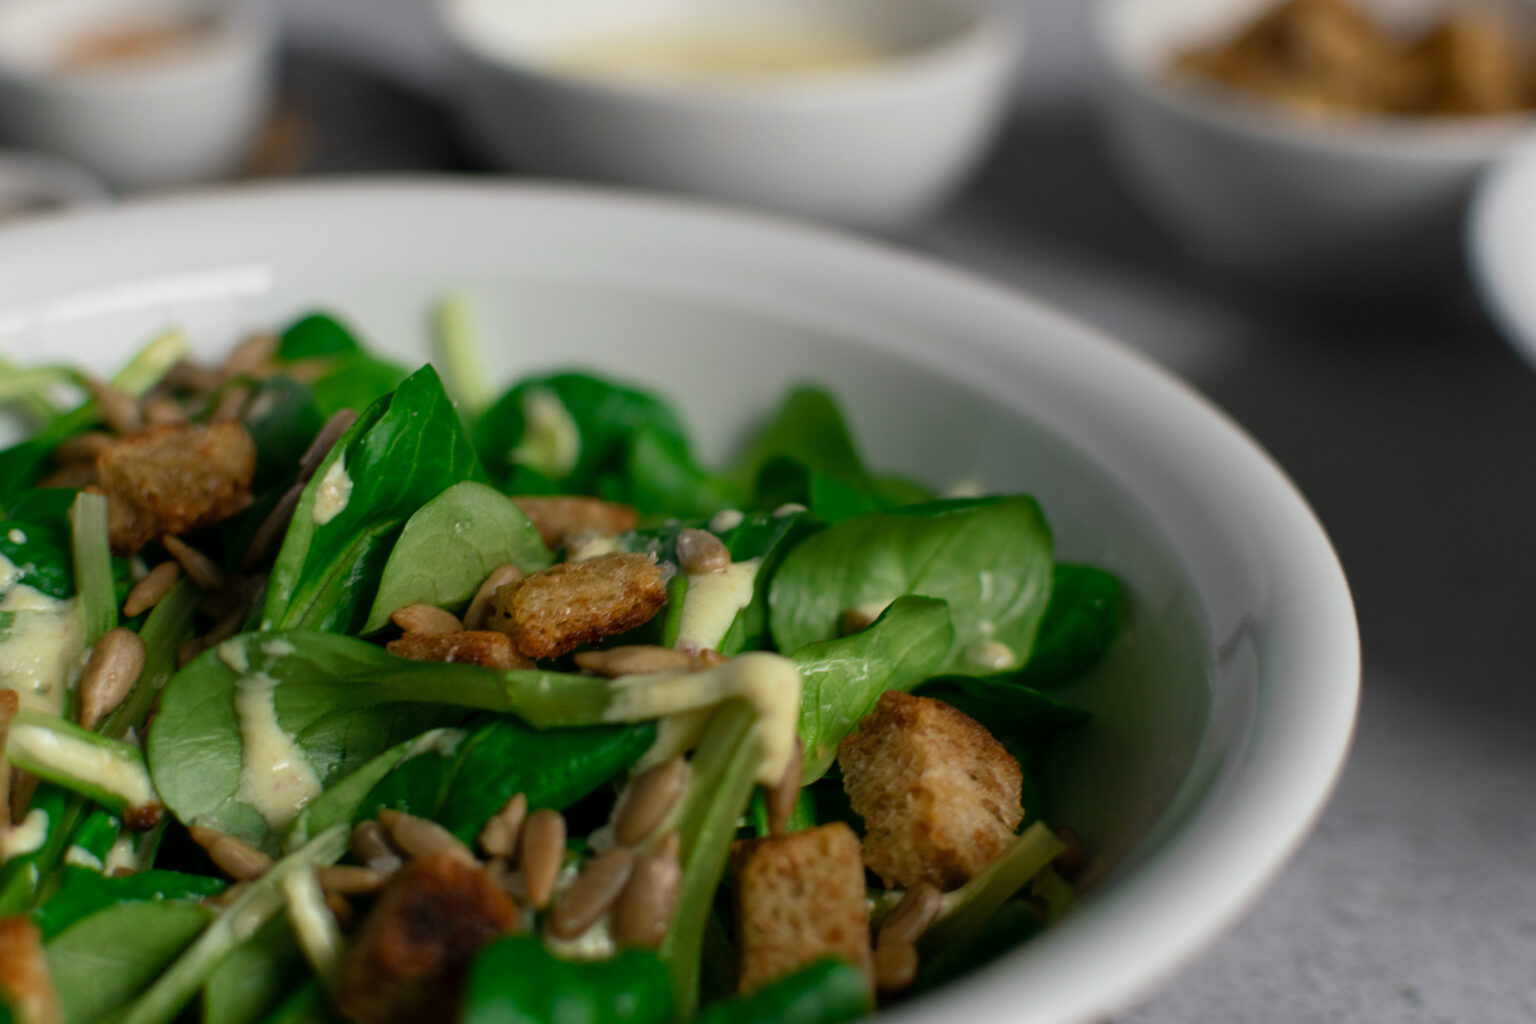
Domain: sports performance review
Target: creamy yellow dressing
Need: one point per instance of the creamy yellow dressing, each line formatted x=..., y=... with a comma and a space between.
x=79, y=759
x=769, y=682
x=40, y=648
x=275, y=776
x=334, y=493
x=712, y=602
x=723, y=53
x=27, y=837
x=551, y=441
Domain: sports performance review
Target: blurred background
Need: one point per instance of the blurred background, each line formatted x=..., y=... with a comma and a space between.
x=1318, y=274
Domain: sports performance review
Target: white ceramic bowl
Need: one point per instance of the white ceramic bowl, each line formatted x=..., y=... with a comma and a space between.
x=1346, y=201
x=188, y=116
x=35, y=183
x=876, y=146
x=1501, y=246
x=1224, y=712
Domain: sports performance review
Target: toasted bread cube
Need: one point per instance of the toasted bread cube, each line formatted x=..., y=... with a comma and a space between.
x=940, y=798
x=559, y=516
x=25, y=984
x=555, y=611
x=412, y=954
x=469, y=647
x=799, y=898
x=172, y=479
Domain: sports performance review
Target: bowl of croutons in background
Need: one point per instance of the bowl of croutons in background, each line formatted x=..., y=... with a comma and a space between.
x=1222, y=713
x=1328, y=143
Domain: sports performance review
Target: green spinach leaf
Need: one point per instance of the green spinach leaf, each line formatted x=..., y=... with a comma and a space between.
x=462, y=787
x=517, y=981
x=401, y=453
x=283, y=419
x=102, y=962
x=42, y=554
x=314, y=335
x=990, y=559
x=1017, y=715
x=450, y=545
x=844, y=678
x=808, y=429
x=85, y=892
x=254, y=977
x=1080, y=624
x=826, y=992
x=572, y=429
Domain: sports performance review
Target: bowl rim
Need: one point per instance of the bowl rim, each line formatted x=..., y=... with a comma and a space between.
x=987, y=41
x=1435, y=139
x=1497, y=236
x=1202, y=877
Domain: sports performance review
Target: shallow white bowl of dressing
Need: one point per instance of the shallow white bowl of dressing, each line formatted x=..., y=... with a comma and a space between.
x=1224, y=711
x=146, y=93
x=869, y=112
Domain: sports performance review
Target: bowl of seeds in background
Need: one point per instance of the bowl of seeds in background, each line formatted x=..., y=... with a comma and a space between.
x=1327, y=142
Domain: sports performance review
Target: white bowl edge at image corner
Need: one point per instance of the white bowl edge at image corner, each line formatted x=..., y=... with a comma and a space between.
x=1500, y=241
x=1235, y=853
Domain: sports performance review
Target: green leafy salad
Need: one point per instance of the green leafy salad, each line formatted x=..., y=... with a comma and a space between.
x=337, y=690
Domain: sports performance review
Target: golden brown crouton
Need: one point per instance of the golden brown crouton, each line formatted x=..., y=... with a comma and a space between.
x=939, y=796
x=409, y=959
x=799, y=898
x=171, y=479
x=555, y=611
x=471, y=646
x=560, y=516
x=25, y=985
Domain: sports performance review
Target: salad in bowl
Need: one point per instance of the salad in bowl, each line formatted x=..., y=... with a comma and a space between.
x=334, y=688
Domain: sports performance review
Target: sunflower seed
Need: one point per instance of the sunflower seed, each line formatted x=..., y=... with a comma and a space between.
x=499, y=836
x=643, y=912
x=235, y=857
x=634, y=660
x=117, y=408
x=650, y=798
x=781, y=798
x=231, y=405
x=83, y=447
x=347, y=880
x=911, y=917
x=895, y=966
x=699, y=551
x=424, y=618
x=479, y=614
x=370, y=844
x=418, y=837
x=200, y=569
x=151, y=590
x=160, y=411
x=110, y=675
x=270, y=533
x=588, y=898
x=541, y=852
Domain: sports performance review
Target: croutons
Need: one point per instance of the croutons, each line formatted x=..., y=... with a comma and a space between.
x=172, y=479
x=411, y=955
x=25, y=984
x=472, y=646
x=939, y=796
x=555, y=611
x=799, y=898
x=560, y=516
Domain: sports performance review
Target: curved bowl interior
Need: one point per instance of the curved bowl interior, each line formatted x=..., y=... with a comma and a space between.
x=1222, y=716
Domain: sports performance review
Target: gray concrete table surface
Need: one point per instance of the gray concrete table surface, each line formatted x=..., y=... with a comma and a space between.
x=1405, y=421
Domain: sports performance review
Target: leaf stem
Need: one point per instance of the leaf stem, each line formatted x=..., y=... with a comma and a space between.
x=93, y=565
x=260, y=903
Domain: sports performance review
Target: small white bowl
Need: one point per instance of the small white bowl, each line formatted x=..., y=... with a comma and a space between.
x=1501, y=246
x=875, y=145
x=1347, y=201
x=190, y=114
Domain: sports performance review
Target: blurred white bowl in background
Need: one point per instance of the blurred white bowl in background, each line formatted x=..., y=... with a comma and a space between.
x=1346, y=201
x=187, y=112
x=1501, y=246
x=875, y=140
